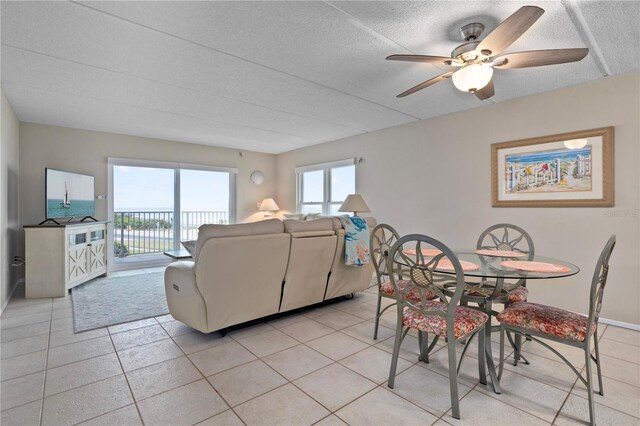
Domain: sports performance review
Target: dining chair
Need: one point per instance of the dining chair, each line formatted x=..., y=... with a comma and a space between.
x=505, y=236
x=383, y=236
x=536, y=321
x=443, y=317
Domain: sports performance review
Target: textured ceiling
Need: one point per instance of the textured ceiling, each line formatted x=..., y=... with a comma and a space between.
x=275, y=76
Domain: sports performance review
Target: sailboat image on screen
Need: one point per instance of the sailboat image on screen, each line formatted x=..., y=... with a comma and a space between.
x=68, y=195
x=65, y=204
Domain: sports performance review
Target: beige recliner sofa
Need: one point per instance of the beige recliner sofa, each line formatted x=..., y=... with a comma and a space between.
x=248, y=271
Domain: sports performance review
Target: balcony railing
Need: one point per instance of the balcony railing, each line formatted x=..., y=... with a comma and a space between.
x=137, y=233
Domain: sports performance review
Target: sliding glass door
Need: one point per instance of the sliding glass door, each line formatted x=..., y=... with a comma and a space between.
x=155, y=205
x=204, y=198
x=143, y=206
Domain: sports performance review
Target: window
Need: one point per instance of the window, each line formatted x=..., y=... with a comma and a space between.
x=323, y=187
x=155, y=205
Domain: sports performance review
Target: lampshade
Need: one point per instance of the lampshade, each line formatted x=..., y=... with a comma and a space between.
x=472, y=77
x=354, y=203
x=575, y=143
x=268, y=205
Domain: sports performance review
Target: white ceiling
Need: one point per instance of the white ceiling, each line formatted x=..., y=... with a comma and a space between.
x=275, y=76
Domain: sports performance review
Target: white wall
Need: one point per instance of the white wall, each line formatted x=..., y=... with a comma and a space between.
x=9, y=217
x=433, y=177
x=87, y=151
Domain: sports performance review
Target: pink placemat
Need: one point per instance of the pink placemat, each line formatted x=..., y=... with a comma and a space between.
x=446, y=265
x=500, y=253
x=529, y=266
x=425, y=252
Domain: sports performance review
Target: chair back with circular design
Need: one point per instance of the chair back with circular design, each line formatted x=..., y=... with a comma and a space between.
x=422, y=260
x=505, y=236
x=383, y=237
x=599, y=282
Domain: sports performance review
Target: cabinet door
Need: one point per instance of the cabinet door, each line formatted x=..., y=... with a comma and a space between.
x=97, y=250
x=78, y=265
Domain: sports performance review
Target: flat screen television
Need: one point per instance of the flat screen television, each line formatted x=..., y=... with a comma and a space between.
x=69, y=194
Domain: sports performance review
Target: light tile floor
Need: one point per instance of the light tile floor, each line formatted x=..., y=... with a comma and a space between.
x=320, y=366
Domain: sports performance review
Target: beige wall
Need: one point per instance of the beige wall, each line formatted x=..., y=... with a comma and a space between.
x=86, y=151
x=9, y=216
x=433, y=177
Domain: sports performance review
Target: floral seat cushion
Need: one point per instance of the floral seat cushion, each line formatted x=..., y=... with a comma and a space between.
x=413, y=295
x=546, y=319
x=517, y=295
x=466, y=320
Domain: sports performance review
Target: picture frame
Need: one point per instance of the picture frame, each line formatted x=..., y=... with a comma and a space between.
x=574, y=169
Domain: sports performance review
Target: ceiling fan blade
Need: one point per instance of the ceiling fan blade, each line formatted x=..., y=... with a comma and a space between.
x=486, y=92
x=537, y=58
x=441, y=60
x=425, y=84
x=509, y=30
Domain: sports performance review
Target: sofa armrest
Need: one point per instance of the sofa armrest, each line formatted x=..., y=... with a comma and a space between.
x=181, y=277
x=185, y=302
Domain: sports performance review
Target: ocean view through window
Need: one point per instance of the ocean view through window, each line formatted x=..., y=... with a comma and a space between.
x=156, y=206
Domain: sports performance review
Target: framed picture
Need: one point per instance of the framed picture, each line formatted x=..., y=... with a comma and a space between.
x=567, y=170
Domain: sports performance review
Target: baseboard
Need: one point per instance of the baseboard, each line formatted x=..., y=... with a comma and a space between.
x=13, y=290
x=628, y=325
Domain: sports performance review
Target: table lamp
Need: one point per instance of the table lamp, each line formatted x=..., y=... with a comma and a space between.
x=354, y=203
x=268, y=205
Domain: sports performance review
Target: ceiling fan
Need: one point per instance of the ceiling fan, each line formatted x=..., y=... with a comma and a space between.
x=476, y=59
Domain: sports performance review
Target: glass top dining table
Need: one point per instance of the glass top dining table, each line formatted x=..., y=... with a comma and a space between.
x=492, y=287
x=491, y=266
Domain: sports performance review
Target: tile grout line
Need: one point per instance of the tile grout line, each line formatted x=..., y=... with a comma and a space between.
x=569, y=393
x=211, y=384
x=204, y=378
x=124, y=373
x=311, y=372
x=596, y=394
x=46, y=365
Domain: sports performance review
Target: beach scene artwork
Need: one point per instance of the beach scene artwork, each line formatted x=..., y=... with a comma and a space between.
x=69, y=195
x=555, y=170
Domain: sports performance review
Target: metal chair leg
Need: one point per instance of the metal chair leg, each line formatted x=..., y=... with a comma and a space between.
x=518, y=345
x=501, y=367
x=592, y=411
x=423, y=343
x=375, y=329
x=482, y=359
x=597, y=361
x=453, y=379
x=396, y=352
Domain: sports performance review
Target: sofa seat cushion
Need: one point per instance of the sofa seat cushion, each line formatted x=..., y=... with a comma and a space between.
x=466, y=320
x=547, y=320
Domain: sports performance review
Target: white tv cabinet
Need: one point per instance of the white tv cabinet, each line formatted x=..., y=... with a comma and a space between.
x=59, y=257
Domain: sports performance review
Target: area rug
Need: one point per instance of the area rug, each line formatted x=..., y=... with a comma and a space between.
x=107, y=301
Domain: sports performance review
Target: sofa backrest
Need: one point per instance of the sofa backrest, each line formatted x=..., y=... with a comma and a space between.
x=324, y=224
x=310, y=260
x=263, y=227
x=240, y=277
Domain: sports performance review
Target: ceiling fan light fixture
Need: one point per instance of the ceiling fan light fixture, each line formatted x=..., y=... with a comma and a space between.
x=472, y=77
x=575, y=143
